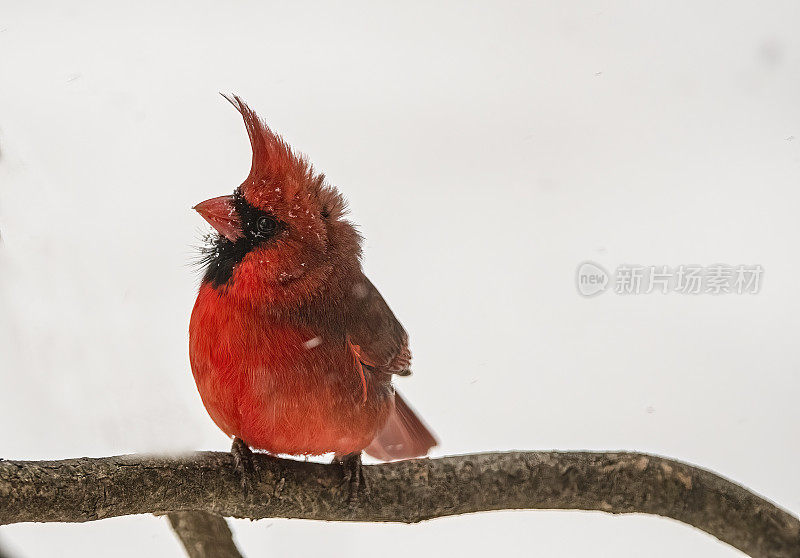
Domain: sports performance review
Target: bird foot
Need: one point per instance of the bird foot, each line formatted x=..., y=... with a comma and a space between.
x=353, y=472
x=245, y=465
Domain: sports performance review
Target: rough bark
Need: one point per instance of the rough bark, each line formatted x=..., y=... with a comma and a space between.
x=85, y=489
x=203, y=534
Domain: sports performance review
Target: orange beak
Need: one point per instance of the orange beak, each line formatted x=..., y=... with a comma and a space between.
x=221, y=214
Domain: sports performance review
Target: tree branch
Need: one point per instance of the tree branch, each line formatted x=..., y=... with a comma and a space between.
x=203, y=534
x=87, y=489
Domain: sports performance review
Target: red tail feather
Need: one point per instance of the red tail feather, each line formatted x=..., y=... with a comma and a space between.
x=403, y=436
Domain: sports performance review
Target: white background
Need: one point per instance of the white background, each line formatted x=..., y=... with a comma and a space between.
x=486, y=149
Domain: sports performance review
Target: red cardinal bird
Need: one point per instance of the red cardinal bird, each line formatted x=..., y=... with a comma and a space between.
x=292, y=347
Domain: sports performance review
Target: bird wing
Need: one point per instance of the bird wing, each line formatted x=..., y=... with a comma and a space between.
x=380, y=346
x=376, y=336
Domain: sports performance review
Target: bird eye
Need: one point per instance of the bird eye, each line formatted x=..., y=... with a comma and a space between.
x=266, y=225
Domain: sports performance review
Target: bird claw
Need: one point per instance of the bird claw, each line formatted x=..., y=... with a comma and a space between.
x=245, y=465
x=353, y=473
